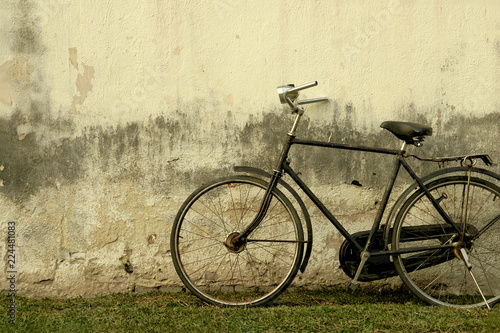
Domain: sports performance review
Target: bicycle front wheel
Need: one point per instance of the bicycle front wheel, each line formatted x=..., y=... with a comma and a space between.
x=257, y=271
x=441, y=276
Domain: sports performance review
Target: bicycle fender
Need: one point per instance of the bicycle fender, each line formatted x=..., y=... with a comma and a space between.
x=260, y=172
x=430, y=177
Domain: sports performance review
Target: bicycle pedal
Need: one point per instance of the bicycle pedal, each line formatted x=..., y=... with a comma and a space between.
x=352, y=286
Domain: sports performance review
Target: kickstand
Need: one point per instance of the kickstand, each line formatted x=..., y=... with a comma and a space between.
x=353, y=284
x=465, y=258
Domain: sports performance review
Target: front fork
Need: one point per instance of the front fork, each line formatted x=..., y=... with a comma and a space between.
x=237, y=241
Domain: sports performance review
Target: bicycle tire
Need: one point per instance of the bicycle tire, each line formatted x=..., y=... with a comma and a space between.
x=439, y=277
x=256, y=273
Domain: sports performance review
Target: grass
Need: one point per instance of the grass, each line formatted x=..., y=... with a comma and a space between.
x=332, y=309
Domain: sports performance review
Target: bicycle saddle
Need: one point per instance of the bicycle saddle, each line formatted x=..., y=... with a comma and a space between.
x=407, y=131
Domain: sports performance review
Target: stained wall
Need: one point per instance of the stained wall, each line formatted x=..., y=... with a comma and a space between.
x=112, y=112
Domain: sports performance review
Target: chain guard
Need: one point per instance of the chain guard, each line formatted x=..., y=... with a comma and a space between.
x=376, y=268
x=381, y=266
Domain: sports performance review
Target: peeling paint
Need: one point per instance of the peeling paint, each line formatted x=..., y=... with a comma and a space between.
x=13, y=73
x=228, y=99
x=83, y=86
x=73, y=57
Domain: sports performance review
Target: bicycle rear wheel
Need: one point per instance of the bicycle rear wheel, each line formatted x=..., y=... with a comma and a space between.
x=256, y=272
x=439, y=276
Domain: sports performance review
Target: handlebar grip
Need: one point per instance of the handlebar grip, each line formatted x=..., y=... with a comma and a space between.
x=313, y=100
x=302, y=87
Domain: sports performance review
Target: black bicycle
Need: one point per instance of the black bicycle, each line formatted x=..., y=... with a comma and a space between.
x=239, y=241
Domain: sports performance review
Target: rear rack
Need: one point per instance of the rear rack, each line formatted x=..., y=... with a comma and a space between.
x=467, y=160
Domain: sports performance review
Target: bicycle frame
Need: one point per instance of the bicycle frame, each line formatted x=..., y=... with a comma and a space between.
x=283, y=166
x=399, y=161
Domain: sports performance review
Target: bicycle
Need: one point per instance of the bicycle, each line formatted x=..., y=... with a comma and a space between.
x=239, y=240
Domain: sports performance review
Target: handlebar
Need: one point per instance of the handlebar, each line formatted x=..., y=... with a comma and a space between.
x=289, y=93
x=313, y=100
x=302, y=87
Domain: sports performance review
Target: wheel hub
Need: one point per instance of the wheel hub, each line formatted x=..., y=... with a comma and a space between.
x=232, y=245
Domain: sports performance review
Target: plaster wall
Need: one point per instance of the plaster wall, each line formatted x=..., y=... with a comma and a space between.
x=112, y=112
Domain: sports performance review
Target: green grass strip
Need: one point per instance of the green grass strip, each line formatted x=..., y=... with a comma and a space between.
x=326, y=310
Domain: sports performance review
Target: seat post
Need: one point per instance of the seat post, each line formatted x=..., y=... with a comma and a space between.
x=365, y=254
x=403, y=147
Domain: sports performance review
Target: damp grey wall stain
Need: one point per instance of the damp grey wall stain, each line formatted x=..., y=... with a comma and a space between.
x=139, y=149
x=25, y=34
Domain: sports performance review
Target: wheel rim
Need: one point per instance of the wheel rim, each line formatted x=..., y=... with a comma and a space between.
x=448, y=282
x=251, y=273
